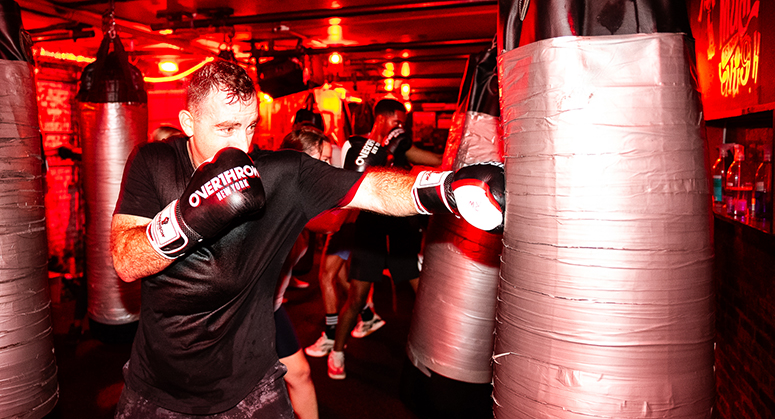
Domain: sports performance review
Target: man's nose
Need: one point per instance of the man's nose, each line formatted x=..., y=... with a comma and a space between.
x=241, y=140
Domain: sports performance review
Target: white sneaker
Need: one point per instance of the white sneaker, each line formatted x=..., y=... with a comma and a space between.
x=363, y=329
x=321, y=347
x=336, y=365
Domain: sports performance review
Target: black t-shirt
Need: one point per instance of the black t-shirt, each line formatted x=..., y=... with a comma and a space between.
x=206, y=331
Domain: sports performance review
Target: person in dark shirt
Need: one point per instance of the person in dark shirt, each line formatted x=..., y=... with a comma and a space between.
x=206, y=226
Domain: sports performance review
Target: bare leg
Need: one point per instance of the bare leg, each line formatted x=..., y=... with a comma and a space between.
x=300, y=387
x=330, y=268
x=356, y=299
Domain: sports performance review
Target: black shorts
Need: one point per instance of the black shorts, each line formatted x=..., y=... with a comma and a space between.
x=385, y=242
x=286, y=340
x=340, y=243
x=268, y=399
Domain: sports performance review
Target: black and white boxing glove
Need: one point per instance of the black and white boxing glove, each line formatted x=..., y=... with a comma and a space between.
x=397, y=143
x=221, y=190
x=477, y=193
x=364, y=153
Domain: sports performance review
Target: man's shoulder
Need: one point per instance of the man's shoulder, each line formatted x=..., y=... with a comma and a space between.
x=168, y=147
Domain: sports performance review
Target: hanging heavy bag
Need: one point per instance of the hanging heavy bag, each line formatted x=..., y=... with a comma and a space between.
x=28, y=377
x=113, y=119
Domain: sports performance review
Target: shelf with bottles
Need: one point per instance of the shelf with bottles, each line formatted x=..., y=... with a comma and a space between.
x=742, y=172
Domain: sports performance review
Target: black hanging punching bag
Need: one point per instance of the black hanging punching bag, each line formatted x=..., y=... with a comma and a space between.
x=28, y=372
x=521, y=21
x=113, y=119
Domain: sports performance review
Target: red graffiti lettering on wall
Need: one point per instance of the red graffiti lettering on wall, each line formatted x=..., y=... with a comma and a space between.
x=740, y=43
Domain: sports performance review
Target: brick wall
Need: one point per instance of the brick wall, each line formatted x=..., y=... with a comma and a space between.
x=745, y=321
x=56, y=89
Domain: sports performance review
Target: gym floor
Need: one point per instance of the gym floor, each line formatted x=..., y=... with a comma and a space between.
x=378, y=370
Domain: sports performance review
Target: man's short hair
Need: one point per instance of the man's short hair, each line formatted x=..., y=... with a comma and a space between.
x=387, y=107
x=222, y=75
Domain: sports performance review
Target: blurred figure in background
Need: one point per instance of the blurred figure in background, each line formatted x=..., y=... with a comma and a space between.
x=165, y=131
x=301, y=390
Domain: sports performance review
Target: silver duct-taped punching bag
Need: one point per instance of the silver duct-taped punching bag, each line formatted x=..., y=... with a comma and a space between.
x=454, y=313
x=113, y=119
x=606, y=300
x=28, y=376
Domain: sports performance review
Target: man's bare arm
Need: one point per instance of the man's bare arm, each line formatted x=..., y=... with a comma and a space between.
x=133, y=255
x=385, y=191
x=416, y=155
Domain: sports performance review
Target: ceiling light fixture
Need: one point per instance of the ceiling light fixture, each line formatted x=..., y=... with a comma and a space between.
x=335, y=58
x=334, y=30
x=405, y=89
x=389, y=71
x=408, y=106
x=405, y=71
x=389, y=85
x=168, y=66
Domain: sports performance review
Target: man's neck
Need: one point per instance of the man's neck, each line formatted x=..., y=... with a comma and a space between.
x=376, y=136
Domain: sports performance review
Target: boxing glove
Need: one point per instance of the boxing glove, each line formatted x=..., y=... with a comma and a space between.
x=364, y=153
x=397, y=143
x=221, y=190
x=477, y=193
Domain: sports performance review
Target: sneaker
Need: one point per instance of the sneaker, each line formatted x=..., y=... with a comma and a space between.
x=336, y=365
x=298, y=283
x=321, y=347
x=363, y=329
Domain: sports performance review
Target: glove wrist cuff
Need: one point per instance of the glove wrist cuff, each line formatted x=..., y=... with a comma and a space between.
x=432, y=193
x=168, y=234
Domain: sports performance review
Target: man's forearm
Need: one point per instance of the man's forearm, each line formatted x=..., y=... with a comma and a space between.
x=133, y=255
x=385, y=191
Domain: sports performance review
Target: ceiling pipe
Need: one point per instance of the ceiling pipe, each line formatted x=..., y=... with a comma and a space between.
x=93, y=19
x=466, y=43
x=416, y=59
x=323, y=14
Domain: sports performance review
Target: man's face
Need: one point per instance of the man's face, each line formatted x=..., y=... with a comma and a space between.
x=221, y=122
x=394, y=120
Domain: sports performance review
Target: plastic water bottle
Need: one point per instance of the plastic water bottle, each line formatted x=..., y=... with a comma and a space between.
x=719, y=174
x=736, y=189
x=762, y=197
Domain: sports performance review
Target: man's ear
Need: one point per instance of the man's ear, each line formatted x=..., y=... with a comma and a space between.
x=186, y=122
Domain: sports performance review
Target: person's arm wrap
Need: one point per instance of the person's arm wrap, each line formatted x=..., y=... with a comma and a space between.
x=476, y=192
x=221, y=190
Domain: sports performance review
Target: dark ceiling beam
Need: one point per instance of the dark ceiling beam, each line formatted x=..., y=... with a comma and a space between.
x=429, y=76
x=457, y=43
x=45, y=8
x=350, y=11
x=60, y=36
x=415, y=59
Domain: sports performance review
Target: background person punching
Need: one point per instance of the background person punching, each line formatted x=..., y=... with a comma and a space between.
x=379, y=242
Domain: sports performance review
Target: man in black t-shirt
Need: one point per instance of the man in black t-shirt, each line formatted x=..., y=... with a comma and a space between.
x=206, y=227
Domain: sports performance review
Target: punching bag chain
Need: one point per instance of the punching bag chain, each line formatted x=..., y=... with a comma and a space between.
x=109, y=21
